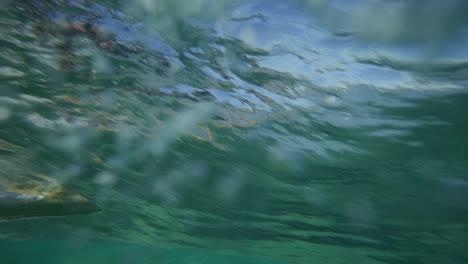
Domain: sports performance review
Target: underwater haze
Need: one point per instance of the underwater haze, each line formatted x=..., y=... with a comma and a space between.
x=235, y=131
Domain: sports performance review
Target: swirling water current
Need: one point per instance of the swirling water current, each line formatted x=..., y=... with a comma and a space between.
x=260, y=131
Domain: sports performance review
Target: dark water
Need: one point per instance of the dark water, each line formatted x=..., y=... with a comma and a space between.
x=239, y=131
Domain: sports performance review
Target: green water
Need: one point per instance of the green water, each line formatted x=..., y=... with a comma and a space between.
x=237, y=131
x=70, y=252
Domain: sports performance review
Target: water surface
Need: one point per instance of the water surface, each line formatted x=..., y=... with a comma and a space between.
x=240, y=131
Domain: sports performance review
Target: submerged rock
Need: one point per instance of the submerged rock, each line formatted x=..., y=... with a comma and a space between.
x=39, y=195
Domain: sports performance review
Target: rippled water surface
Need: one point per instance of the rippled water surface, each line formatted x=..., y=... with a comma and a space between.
x=256, y=131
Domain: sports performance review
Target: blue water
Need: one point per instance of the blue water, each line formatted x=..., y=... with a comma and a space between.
x=238, y=131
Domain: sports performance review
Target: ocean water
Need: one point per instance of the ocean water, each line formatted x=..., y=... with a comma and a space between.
x=259, y=131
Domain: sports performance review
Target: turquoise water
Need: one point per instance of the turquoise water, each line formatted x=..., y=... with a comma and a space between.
x=239, y=131
x=55, y=252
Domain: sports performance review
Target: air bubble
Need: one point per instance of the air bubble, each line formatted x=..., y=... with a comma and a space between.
x=331, y=100
x=105, y=178
x=4, y=113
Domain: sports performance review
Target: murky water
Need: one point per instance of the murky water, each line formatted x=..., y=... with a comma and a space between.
x=239, y=131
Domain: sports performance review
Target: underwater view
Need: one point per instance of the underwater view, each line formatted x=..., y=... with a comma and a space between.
x=234, y=131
